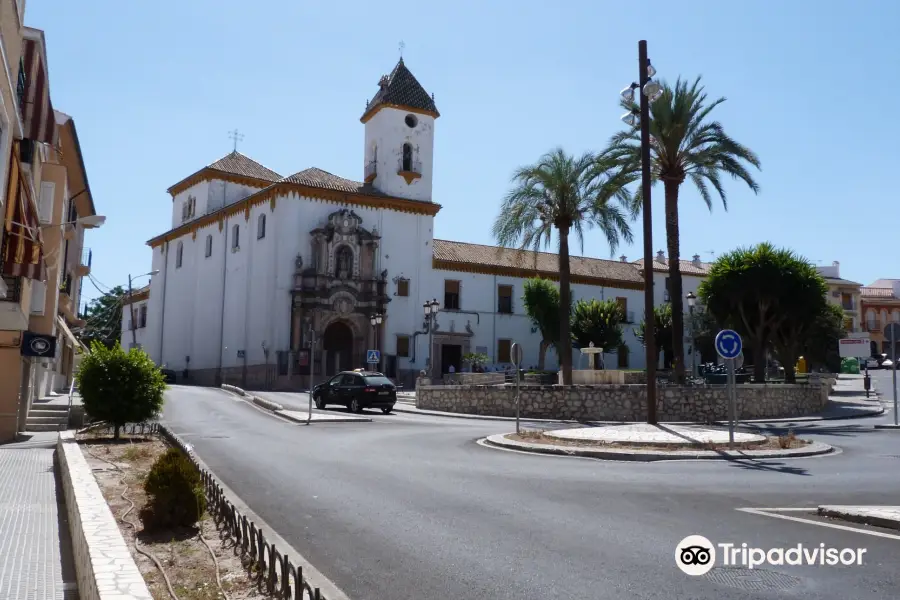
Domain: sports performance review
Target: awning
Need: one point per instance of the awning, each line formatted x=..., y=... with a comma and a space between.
x=22, y=253
x=67, y=333
x=40, y=123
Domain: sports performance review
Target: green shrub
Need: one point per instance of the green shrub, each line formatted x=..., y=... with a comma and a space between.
x=120, y=387
x=175, y=493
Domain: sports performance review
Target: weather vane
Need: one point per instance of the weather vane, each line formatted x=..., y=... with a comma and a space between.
x=236, y=137
x=402, y=46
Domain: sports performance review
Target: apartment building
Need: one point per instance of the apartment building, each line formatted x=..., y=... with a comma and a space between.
x=844, y=293
x=46, y=205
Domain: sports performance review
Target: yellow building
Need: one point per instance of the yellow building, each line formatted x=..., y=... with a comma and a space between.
x=45, y=199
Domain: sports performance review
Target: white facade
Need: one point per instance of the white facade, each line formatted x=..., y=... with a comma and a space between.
x=138, y=338
x=227, y=292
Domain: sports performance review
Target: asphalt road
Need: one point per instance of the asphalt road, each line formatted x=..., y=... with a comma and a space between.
x=410, y=507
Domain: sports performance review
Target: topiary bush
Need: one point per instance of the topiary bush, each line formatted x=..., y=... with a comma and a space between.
x=120, y=387
x=175, y=492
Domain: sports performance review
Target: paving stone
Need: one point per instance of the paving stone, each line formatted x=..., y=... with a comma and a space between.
x=36, y=560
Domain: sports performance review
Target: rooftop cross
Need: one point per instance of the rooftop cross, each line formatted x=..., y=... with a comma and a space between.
x=236, y=137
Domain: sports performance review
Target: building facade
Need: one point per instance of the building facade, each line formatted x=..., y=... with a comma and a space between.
x=44, y=192
x=844, y=293
x=880, y=305
x=262, y=276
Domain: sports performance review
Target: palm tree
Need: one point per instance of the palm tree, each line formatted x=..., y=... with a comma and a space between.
x=568, y=194
x=684, y=145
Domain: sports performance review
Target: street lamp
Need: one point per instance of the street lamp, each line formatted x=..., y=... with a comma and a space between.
x=376, y=320
x=131, y=304
x=691, y=300
x=650, y=91
x=431, y=310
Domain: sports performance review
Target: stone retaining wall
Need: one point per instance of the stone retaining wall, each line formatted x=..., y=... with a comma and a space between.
x=103, y=562
x=700, y=404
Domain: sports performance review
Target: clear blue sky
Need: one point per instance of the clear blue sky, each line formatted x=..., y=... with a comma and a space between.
x=154, y=87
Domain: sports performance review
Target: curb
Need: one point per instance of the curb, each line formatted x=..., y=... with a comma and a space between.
x=267, y=404
x=321, y=583
x=501, y=441
x=836, y=512
x=282, y=413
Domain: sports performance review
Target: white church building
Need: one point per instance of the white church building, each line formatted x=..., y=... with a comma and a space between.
x=262, y=276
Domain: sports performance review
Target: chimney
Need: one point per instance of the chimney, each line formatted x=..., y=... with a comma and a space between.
x=660, y=256
x=624, y=258
x=696, y=260
x=837, y=268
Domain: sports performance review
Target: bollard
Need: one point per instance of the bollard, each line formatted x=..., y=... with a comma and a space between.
x=867, y=383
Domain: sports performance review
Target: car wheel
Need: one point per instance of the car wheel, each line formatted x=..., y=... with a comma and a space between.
x=387, y=410
x=320, y=403
x=355, y=406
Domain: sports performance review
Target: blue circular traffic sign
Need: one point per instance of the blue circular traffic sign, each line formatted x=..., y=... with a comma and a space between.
x=728, y=344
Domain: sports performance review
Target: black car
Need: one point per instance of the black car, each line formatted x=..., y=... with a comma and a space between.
x=357, y=390
x=168, y=374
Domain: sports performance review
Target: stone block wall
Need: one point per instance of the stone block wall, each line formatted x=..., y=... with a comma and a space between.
x=699, y=404
x=475, y=378
x=103, y=562
x=602, y=376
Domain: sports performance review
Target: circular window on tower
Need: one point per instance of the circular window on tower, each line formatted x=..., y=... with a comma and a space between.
x=411, y=120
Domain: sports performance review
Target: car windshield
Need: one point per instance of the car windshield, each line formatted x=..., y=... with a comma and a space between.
x=378, y=380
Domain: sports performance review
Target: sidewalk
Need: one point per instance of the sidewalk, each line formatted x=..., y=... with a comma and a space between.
x=36, y=560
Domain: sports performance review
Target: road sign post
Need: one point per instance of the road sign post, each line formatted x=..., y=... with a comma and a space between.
x=373, y=357
x=515, y=353
x=892, y=332
x=312, y=371
x=728, y=345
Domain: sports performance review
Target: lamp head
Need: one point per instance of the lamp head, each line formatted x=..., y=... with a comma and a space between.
x=627, y=94
x=630, y=119
x=91, y=220
x=692, y=299
x=652, y=89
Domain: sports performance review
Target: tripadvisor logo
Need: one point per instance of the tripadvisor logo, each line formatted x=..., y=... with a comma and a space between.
x=696, y=555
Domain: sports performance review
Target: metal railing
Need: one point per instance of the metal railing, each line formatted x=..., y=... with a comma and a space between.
x=873, y=325
x=86, y=256
x=13, y=289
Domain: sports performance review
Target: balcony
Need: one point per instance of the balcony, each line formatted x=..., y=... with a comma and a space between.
x=872, y=325
x=371, y=171
x=66, y=302
x=84, y=267
x=409, y=169
x=13, y=314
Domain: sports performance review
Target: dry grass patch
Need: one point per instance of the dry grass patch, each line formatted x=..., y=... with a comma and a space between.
x=183, y=555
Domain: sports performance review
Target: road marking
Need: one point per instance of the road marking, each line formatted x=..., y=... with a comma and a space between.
x=763, y=512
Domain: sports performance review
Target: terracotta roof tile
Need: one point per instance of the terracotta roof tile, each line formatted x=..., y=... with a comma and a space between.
x=687, y=267
x=314, y=177
x=402, y=89
x=238, y=164
x=493, y=256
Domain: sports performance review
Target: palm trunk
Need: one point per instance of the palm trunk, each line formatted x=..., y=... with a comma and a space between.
x=759, y=359
x=565, y=294
x=675, y=296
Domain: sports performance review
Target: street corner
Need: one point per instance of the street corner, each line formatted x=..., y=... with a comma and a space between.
x=301, y=416
x=642, y=442
x=887, y=517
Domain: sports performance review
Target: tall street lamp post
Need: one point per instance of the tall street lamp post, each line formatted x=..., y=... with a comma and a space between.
x=131, y=304
x=649, y=91
x=431, y=310
x=691, y=300
x=376, y=320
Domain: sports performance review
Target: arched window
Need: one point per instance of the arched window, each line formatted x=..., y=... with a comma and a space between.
x=179, y=255
x=235, y=237
x=261, y=227
x=208, y=246
x=407, y=157
x=343, y=267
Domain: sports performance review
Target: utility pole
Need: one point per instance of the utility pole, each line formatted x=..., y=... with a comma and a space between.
x=131, y=307
x=649, y=317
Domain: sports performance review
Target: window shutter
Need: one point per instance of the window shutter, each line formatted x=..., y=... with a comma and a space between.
x=38, y=297
x=45, y=209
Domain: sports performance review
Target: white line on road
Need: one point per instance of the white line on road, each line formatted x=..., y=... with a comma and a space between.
x=763, y=512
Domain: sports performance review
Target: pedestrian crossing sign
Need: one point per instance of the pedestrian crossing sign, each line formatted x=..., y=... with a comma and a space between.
x=373, y=356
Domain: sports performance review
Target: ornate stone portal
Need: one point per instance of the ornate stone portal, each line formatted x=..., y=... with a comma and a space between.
x=335, y=295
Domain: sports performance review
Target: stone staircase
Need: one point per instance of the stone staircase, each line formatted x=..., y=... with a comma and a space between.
x=47, y=417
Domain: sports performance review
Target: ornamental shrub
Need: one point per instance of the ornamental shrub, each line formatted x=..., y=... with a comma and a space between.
x=175, y=493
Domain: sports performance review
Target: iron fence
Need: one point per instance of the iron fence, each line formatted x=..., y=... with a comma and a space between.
x=274, y=569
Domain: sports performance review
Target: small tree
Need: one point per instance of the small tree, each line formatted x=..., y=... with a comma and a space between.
x=475, y=359
x=771, y=296
x=541, y=300
x=175, y=491
x=821, y=347
x=662, y=317
x=120, y=387
x=600, y=322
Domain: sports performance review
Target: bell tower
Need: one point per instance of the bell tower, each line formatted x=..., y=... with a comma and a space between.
x=399, y=148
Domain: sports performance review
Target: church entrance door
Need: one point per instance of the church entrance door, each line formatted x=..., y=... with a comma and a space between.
x=337, y=344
